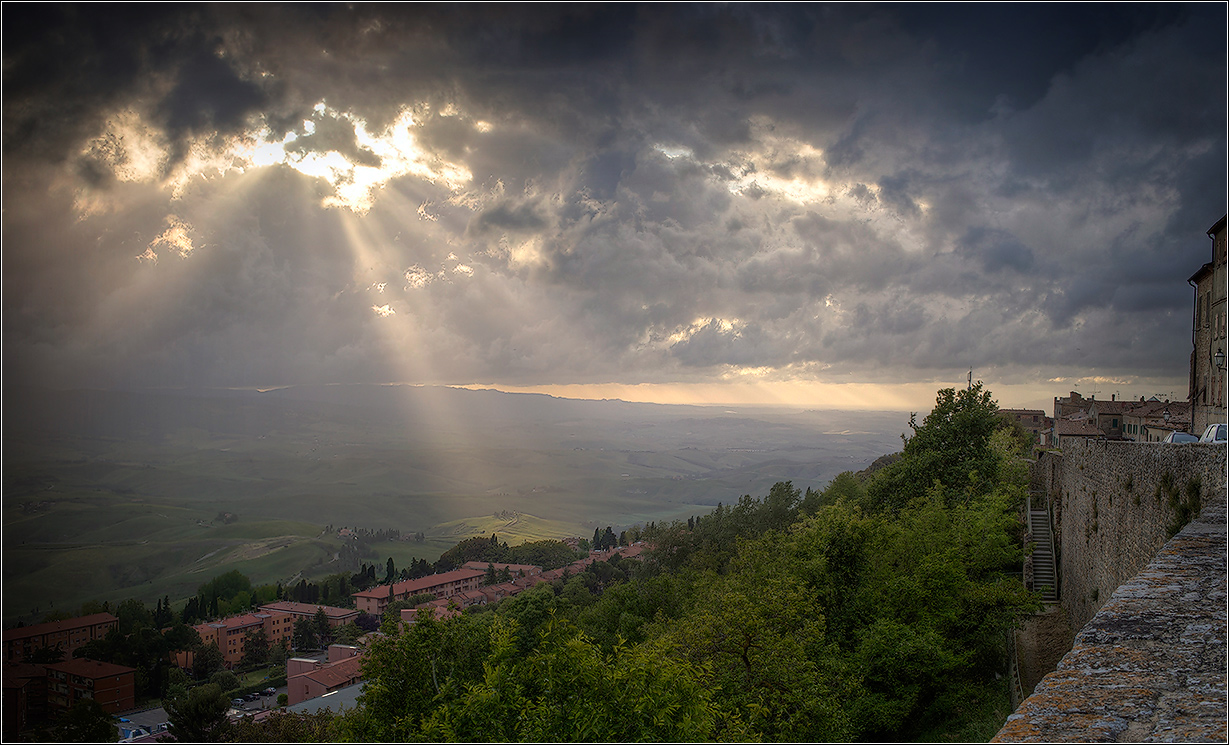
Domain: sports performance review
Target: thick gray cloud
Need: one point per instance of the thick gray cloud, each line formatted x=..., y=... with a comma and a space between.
x=270, y=194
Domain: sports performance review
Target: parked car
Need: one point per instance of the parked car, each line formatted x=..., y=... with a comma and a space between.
x=236, y=702
x=270, y=691
x=1215, y=433
x=252, y=697
x=1174, y=438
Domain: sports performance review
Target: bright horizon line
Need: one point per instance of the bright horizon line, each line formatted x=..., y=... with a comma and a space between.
x=905, y=397
x=919, y=397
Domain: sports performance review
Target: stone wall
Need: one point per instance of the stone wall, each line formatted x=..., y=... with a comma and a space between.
x=1150, y=665
x=1116, y=503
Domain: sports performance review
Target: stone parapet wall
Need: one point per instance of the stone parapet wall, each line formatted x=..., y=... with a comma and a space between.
x=1116, y=503
x=1151, y=664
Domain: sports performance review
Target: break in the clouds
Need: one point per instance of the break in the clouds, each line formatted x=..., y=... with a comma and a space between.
x=255, y=194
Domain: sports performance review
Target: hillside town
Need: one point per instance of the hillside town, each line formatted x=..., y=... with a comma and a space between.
x=38, y=691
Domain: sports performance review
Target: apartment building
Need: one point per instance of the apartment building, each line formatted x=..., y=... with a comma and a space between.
x=68, y=635
x=442, y=585
x=337, y=616
x=307, y=679
x=112, y=686
x=229, y=633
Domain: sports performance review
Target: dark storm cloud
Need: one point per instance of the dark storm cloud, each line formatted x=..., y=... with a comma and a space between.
x=653, y=192
x=996, y=250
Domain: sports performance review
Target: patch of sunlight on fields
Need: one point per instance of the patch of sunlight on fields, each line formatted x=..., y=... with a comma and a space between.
x=513, y=530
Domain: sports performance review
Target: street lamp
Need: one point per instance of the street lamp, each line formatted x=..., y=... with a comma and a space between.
x=1219, y=359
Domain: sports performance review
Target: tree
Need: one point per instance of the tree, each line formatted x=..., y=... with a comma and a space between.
x=304, y=635
x=45, y=655
x=757, y=632
x=192, y=611
x=199, y=715
x=408, y=667
x=279, y=653
x=226, y=585
x=546, y=554
x=845, y=485
x=163, y=616
x=225, y=680
x=131, y=614
x=391, y=571
x=86, y=721
x=206, y=660
x=320, y=624
x=287, y=727
x=478, y=548
x=182, y=637
x=255, y=648
x=950, y=448
x=567, y=689
x=347, y=633
x=392, y=611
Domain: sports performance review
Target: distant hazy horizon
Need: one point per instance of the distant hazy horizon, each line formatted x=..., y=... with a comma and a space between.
x=914, y=397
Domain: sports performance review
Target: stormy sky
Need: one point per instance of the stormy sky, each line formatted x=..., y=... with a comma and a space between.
x=824, y=203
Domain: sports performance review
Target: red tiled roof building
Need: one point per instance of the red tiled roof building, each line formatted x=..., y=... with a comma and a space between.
x=68, y=635
x=112, y=686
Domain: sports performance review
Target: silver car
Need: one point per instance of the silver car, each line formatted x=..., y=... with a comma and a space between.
x=1215, y=433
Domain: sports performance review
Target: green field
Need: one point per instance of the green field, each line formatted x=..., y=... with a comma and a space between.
x=110, y=496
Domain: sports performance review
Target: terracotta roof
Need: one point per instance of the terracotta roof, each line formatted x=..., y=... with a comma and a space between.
x=411, y=586
x=334, y=674
x=514, y=568
x=287, y=606
x=52, y=627
x=380, y=591
x=25, y=670
x=1112, y=407
x=89, y=668
x=1075, y=428
x=236, y=622
x=422, y=584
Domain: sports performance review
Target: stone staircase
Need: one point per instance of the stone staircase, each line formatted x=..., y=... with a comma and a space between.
x=1045, y=579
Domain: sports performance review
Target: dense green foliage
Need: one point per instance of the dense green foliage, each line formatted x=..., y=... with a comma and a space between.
x=875, y=609
x=546, y=554
x=950, y=450
x=86, y=721
x=197, y=715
